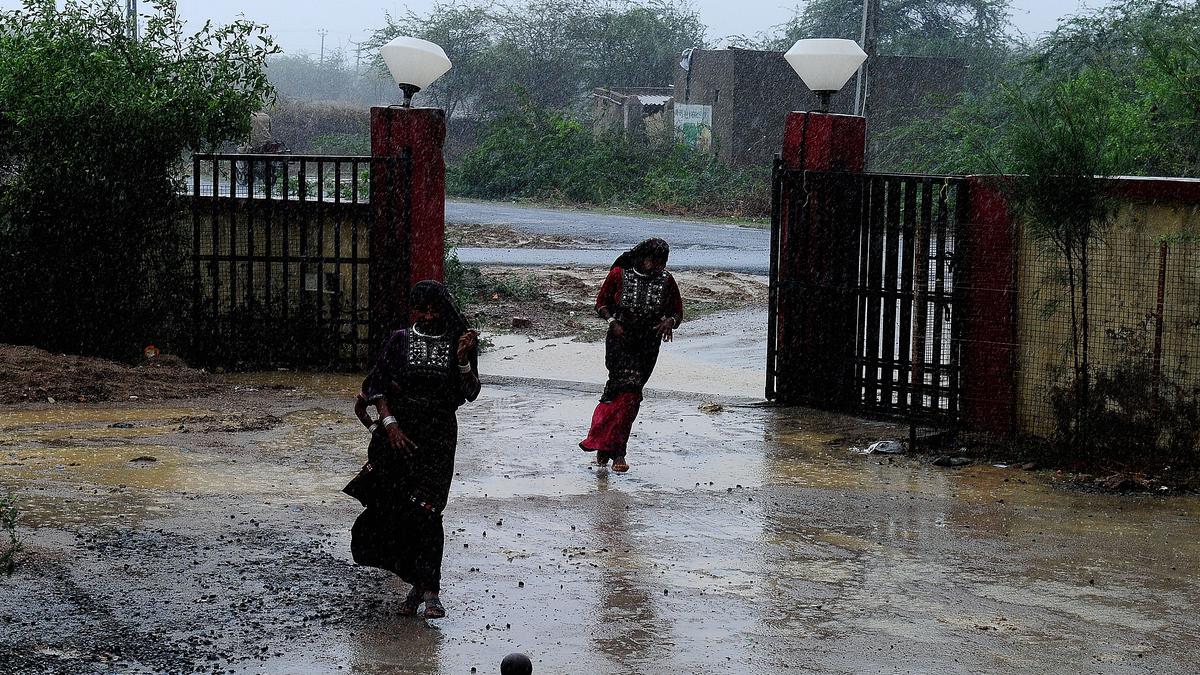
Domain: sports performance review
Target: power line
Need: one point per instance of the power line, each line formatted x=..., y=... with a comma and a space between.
x=322, y=32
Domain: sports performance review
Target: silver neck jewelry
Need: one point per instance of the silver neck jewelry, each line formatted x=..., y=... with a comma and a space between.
x=423, y=335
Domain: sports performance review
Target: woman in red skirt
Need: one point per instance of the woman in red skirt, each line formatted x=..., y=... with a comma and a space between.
x=642, y=305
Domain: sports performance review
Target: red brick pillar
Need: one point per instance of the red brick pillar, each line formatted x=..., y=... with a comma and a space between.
x=816, y=141
x=987, y=310
x=816, y=260
x=408, y=197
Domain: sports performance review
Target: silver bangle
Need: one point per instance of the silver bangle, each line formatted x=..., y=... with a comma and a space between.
x=464, y=368
x=373, y=427
x=611, y=319
x=387, y=421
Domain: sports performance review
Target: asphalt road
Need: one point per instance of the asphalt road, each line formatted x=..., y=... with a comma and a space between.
x=694, y=244
x=620, y=231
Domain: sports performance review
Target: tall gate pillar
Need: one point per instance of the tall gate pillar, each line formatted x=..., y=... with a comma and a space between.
x=408, y=197
x=814, y=141
x=814, y=265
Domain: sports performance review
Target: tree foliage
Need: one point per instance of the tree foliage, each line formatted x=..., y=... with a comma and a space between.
x=336, y=78
x=96, y=124
x=954, y=28
x=534, y=153
x=1148, y=51
x=550, y=52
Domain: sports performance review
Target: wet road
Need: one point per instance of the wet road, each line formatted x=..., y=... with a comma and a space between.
x=621, y=231
x=746, y=262
x=748, y=540
x=694, y=244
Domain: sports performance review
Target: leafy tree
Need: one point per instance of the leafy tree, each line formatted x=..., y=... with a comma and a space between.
x=466, y=29
x=300, y=76
x=631, y=45
x=549, y=52
x=96, y=125
x=955, y=28
x=1148, y=48
x=1064, y=141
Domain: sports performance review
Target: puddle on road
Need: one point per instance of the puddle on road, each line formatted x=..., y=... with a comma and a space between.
x=733, y=529
x=328, y=384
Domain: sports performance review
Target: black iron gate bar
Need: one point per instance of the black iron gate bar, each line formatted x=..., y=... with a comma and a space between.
x=275, y=202
x=907, y=361
x=905, y=358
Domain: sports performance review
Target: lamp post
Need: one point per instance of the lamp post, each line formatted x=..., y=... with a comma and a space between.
x=814, y=243
x=414, y=64
x=825, y=64
x=408, y=186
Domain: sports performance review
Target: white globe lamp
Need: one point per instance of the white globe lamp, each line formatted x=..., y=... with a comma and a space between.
x=825, y=64
x=414, y=64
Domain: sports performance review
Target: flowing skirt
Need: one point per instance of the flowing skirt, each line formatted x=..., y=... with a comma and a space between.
x=630, y=360
x=401, y=528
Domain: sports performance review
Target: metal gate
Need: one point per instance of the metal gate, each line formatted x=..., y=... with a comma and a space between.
x=281, y=248
x=863, y=293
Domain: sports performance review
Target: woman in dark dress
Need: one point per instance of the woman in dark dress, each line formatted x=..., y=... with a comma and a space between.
x=642, y=305
x=423, y=374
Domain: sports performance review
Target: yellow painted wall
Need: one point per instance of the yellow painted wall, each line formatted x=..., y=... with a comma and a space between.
x=1123, y=298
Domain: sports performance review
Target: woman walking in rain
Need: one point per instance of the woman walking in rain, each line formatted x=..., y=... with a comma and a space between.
x=642, y=305
x=421, y=377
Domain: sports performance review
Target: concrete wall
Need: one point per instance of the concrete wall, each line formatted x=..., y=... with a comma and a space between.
x=751, y=93
x=1123, y=297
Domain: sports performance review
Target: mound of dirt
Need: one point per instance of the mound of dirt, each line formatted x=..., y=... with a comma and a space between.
x=31, y=374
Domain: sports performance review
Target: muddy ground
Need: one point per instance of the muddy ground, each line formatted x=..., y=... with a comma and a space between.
x=207, y=534
x=29, y=374
x=210, y=535
x=549, y=302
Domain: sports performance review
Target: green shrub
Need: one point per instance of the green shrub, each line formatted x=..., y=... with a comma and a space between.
x=538, y=154
x=321, y=127
x=1129, y=420
x=94, y=125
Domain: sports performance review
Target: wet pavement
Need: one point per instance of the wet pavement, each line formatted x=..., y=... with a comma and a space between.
x=746, y=262
x=210, y=534
x=619, y=230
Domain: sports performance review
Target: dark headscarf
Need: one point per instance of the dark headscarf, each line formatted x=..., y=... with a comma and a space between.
x=654, y=248
x=436, y=295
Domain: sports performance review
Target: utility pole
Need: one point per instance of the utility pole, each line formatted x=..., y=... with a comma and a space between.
x=357, y=55
x=870, y=45
x=322, y=32
x=131, y=16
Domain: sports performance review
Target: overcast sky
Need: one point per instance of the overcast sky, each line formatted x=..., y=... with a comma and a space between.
x=295, y=23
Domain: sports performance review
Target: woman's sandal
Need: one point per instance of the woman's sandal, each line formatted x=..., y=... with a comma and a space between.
x=434, y=609
x=411, y=602
x=620, y=465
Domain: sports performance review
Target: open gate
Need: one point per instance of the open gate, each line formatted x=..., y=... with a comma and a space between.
x=863, y=292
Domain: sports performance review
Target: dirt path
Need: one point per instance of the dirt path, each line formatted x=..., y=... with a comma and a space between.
x=210, y=535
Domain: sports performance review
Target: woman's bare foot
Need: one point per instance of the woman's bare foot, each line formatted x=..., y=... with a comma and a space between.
x=433, y=606
x=602, y=458
x=620, y=465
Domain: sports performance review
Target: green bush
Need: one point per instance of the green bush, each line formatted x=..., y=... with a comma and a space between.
x=95, y=123
x=321, y=127
x=548, y=155
x=1129, y=420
